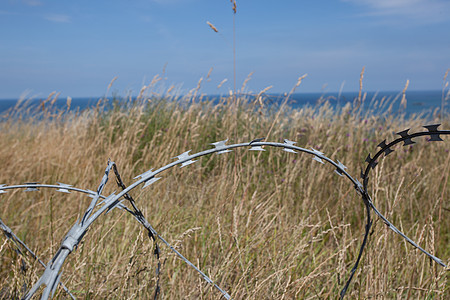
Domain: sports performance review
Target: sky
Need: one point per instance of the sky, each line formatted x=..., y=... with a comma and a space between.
x=77, y=47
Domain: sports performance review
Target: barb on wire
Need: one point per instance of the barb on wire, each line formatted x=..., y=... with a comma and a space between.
x=290, y=143
x=185, y=158
x=30, y=187
x=63, y=188
x=148, y=177
x=1, y=188
x=220, y=146
x=317, y=155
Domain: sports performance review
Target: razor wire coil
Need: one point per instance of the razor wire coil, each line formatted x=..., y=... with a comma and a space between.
x=103, y=204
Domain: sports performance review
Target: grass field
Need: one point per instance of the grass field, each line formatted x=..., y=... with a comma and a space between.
x=262, y=225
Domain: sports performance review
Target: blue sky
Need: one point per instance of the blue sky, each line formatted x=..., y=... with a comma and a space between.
x=77, y=47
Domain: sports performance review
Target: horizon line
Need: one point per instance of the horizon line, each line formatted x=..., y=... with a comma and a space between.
x=228, y=95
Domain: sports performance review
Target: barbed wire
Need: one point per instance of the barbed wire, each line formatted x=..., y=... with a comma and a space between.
x=386, y=149
x=51, y=276
x=10, y=235
x=50, y=280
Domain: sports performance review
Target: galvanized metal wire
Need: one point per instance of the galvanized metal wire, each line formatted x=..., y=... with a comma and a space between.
x=101, y=204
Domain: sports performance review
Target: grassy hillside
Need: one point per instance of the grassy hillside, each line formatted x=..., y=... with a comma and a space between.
x=263, y=225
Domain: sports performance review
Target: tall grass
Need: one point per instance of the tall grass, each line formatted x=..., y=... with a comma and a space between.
x=265, y=225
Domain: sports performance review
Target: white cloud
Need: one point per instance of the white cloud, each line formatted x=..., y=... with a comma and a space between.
x=421, y=10
x=58, y=18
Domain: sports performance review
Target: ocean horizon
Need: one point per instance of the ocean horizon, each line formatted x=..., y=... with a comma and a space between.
x=417, y=102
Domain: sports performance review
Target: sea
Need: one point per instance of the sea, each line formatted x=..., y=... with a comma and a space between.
x=417, y=102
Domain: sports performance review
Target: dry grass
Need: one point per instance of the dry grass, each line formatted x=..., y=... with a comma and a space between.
x=265, y=225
